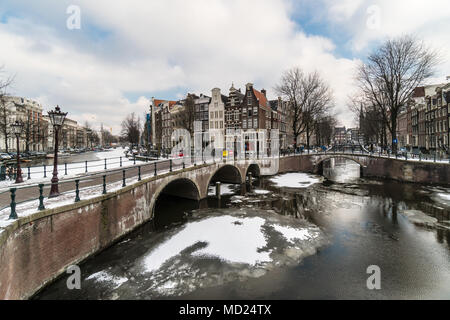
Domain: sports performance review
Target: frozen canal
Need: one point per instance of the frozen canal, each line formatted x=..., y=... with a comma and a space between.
x=294, y=236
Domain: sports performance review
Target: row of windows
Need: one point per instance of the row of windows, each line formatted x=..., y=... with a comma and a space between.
x=248, y=123
x=439, y=126
x=216, y=124
x=216, y=114
x=250, y=111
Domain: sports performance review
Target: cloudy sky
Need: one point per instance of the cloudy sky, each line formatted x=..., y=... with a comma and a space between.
x=126, y=52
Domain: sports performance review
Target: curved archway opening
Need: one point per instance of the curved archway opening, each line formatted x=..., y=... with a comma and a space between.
x=340, y=169
x=254, y=169
x=174, y=201
x=228, y=175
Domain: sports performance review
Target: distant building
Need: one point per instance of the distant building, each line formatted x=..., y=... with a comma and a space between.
x=233, y=117
x=340, y=135
x=29, y=112
x=217, y=117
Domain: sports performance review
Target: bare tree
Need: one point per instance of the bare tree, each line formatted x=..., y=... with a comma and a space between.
x=28, y=129
x=390, y=75
x=309, y=98
x=324, y=129
x=131, y=129
x=187, y=115
x=42, y=134
x=371, y=123
x=5, y=83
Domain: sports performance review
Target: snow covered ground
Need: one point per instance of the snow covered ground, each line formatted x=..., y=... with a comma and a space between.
x=225, y=189
x=259, y=191
x=296, y=180
x=74, y=169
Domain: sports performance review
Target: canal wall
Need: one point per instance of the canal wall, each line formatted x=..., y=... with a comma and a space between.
x=38, y=248
x=426, y=172
x=407, y=171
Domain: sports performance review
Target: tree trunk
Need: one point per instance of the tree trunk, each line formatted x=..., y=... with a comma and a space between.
x=6, y=143
x=394, y=133
x=307, y=137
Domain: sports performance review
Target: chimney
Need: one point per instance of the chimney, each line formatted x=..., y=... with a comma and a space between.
x=263, y=91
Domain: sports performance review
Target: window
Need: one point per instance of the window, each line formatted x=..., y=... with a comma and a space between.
x=249, y=112
x=216, y=104
x=244, y=111
x=249, y=123
x=244, y=124
x=217, y=114
x=255, y=123
x=221, y=124
x=221, y=114
x=255, y=110
x=212, y=115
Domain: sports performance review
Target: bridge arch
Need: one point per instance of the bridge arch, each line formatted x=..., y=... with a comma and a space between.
x=318, y=167
x=254, y=169
x=180, y=187
x=227, y=174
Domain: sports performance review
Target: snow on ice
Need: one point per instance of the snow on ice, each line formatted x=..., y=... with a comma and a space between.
x=295, y=180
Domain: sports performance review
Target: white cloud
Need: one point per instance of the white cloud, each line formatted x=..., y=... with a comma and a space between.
x=155, y=46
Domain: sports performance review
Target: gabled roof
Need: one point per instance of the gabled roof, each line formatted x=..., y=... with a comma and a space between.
x=261, y=98
x=157, y=102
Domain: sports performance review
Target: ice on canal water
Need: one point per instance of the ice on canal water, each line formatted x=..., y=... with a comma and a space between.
x=223, y=248
x=295, y=180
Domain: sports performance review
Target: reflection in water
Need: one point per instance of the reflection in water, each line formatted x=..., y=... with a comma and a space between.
x=363, y=223
x=341, y=170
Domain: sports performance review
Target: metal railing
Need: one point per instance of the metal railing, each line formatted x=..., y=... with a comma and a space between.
x=68, y=168
x=93, y=181
x=120, y=176
x=381, y=154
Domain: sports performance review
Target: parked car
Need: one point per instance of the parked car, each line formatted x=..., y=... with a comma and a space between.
x=5, y=156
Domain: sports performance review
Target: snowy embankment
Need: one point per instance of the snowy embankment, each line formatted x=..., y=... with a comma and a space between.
x=27, y=208
x=73, y=169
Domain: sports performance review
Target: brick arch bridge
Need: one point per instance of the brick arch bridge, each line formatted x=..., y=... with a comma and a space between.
x=193, y=183
x=318, y=160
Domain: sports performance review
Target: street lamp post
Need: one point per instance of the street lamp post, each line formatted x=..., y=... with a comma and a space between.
x=57, y=119
x=17, y=130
